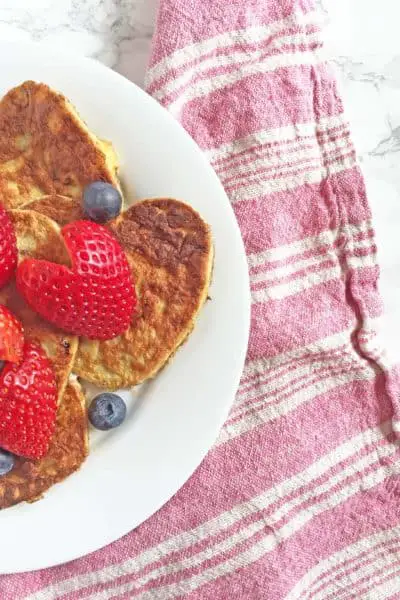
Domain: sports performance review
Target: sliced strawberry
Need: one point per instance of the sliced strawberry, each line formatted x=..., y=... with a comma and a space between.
x=11, y=336
x=95, y=298
x=8, y=248
x=28, y=404
x=95, y=251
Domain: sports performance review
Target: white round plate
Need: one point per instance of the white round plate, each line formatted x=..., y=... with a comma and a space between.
x=173, y=420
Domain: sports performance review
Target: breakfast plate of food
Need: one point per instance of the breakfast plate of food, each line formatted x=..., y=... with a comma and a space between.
x=124, y=306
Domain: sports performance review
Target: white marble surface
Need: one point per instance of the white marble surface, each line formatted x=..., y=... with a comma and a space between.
x=117, y=32
x=362, y=40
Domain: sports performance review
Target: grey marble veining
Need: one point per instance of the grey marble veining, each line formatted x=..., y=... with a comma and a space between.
x=117, y=32
x=361, y=40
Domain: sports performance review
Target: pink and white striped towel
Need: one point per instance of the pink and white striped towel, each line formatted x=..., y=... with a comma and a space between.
x=300, y=496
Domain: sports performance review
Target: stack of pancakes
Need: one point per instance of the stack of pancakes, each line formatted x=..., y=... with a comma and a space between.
x=47, y=157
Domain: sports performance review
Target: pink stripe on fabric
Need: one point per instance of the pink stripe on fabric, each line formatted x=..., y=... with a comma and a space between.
x=368, y=274
x=214, y=17
x=273, y=151
x=265, y=376
x=268, y=44
x=292, y=167
x=314, y=305
x=285, y=391
x=358, y=587
x=288, y=216
x=329, y=262
x=353, y=564
x=270, y=265
x=215, y=70
x=275, y=148
x=295, y=453
x=288, y=87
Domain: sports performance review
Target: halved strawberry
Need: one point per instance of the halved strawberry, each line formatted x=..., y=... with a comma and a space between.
x=95, y=298
x=28, y=404
x=11, y=336
x=8, y=248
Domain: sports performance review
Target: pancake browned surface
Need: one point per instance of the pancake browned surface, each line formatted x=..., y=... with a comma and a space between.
x=61, y=209
x=39, y=237
x=46, y=149
x=170, y=252
x=29, y=479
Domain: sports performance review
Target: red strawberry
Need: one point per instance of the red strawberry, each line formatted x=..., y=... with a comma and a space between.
x=11, y=336
x=95, y=298
x=28, y=404
x=8, y=248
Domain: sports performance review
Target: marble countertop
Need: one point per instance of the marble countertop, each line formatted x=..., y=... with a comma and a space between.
x=117, y=32
x=366, y=54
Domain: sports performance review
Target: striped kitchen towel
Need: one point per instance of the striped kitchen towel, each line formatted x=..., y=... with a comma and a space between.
x=299, y=499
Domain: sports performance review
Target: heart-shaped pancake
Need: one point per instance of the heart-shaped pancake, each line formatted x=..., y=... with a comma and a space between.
x=46, y=148
x=170, y=252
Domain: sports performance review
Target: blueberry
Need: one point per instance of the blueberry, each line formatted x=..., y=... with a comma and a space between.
x=6, y=462
x=107, y=411
x=101, y=201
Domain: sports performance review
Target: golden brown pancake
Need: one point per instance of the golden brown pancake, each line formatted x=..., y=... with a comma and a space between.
x=46, y=149
x=61, y=209
x=29, y=479
x=39, y=237
x=170, y=252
